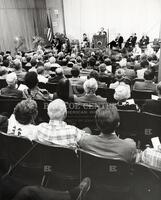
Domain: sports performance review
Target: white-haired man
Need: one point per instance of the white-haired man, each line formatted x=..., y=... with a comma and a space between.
x=10, y=90
x=57, y=131
x=90, y=86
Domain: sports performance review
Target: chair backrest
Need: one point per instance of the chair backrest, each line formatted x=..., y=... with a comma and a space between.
x=129, y=124
x=103, y=170
x=42, y=111
x=107, y=93
x=141, y=96
x=150, y=127
x=146, y=183
x=7, y=104
x=51, y=87
x=81, y=115
x=136, y=94
x=64, y=164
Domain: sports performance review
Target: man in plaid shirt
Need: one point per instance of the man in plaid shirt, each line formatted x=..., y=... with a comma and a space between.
x=57, y=131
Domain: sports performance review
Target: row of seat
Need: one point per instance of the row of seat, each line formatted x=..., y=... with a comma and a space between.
x=62, y=168
x=139, y=126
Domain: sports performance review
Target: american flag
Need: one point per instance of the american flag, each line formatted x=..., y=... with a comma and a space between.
x=50, y=33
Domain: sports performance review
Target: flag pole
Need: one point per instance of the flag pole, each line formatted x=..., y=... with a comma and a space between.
x=63, y=15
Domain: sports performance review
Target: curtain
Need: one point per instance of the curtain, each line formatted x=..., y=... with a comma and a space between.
x=119, y=16
x=25, y=18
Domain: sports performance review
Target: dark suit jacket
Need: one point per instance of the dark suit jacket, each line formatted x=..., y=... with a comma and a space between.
x=152, y=106
x=109, y=146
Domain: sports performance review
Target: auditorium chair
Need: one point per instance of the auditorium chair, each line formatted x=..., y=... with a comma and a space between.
x=25, y=159
x=7, y=105
x=42, y=111
x=129, y=124
x=150, y=127
x=4, y=160
x=82, y=115
x=146, y=183
x=51, y=87
x=110, y=179
x=141, y=96
x=63, y=165
x=106, y=93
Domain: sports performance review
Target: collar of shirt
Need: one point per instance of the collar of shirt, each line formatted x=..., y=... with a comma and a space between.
x=57, y=122
x=109, y=136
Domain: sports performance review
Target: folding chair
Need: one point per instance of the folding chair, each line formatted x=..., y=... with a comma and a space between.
x=111, y=179
x=150, y=127
x=129, y=124
x=61, y=167
x=25, y=160
x=146, y=183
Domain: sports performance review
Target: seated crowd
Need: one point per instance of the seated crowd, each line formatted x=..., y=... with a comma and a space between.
x=78, y=78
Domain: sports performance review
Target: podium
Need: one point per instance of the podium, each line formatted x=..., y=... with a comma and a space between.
x=99, y=41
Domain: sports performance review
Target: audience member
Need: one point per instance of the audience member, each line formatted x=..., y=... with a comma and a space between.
x=33, y=90
x=90, y=86
x=119, y=76
x=75, y=80
x=19, y=71
x=147, y=84
x=10, y=90
x=94, y=74
x=154, y=106
x=59, y=75
x=57, y=131
x=41, y=75
x=107, y=144
x=3, y=73
x=122, y=95
x=64, y=91
x=21, y=122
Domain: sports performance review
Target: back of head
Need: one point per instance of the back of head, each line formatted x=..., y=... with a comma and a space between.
x=102, y=67
x=3, y=71
x=107, y=118
x=59, y=71
x=75, y=71
x=107, y=61
x=17, y=64
x=40, y=70
x=26, y=111
x=119, y=74
x=149, y=75
x=90, y=85
x=31, y=79
x=57, y=110
x=92, y=61
x=94, y=74
x=33, y=62
x=122, y=93
x=11, y=79
x=52, y=60
x=144, y=64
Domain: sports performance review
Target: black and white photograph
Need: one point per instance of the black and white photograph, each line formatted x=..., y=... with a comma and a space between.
x=80, y=100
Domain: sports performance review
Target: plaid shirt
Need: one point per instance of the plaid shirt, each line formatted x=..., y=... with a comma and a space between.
x=151, y=157
x=59, y=133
